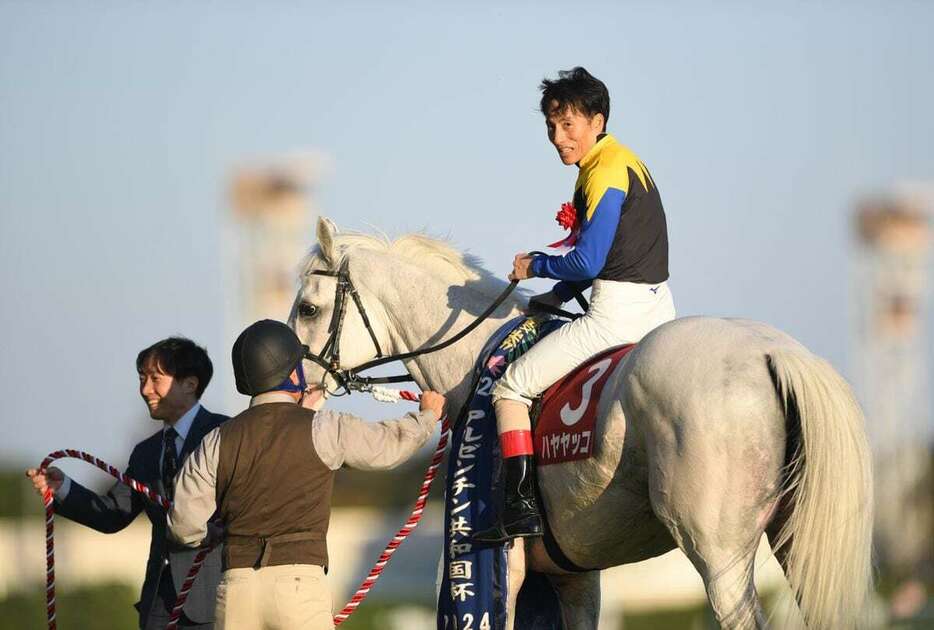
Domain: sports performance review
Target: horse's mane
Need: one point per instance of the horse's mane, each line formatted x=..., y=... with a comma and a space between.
x=433, y=255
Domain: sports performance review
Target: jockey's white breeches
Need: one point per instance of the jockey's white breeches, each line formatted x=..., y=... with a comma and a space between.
x=619, y=313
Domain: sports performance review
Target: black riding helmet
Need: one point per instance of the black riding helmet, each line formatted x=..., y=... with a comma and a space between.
x=264, y=355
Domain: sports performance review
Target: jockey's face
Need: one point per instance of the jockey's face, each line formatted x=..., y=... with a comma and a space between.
x=572, y=132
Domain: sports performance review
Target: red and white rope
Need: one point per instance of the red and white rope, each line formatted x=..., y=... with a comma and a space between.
x=50, y=528
x=384, y=394
x=410, y=524
x=49, y=558
x=186, y=587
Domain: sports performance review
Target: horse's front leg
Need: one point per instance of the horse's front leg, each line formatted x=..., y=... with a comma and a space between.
x=515, y=572
x=578, y=593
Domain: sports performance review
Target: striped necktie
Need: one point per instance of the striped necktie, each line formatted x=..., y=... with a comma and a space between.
x=169, y=462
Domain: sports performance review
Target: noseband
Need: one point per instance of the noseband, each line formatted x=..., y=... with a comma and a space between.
x=349, y=379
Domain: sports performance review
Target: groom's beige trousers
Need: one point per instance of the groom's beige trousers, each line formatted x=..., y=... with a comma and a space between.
x=281, y=597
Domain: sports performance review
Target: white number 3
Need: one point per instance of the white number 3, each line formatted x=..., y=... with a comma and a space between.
x=570, y=416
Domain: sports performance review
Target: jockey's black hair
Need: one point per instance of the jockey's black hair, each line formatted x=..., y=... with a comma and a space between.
x=179, y=357
x=578, y=89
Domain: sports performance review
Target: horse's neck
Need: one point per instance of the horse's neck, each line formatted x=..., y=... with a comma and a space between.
x=423, y=311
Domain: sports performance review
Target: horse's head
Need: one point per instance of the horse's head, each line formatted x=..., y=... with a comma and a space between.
x=334, y=313
x=368, y=296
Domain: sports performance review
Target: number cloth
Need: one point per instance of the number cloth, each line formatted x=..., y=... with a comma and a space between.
x=566, y=427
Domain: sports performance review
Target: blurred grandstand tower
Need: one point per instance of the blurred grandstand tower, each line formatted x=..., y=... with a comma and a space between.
x=894, y=236
x=268, y=234
x=272, y=232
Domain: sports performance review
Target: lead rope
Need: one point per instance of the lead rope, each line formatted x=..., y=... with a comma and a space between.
x=50, y=530
x=380, y=393
x=384, y=394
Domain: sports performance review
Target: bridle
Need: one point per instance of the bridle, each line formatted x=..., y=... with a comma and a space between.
x=329, y=357
x=349, y=379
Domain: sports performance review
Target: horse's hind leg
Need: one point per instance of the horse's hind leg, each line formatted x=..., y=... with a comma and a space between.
x=579, y=595
x=722, y=547
x=715, y=445
x=716, y=506
x=731, y=591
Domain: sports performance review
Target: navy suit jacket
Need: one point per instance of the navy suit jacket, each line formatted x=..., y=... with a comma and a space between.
x=116, y=509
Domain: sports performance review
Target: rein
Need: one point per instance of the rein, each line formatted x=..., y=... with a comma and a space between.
x=349, y=378
x=554, y=310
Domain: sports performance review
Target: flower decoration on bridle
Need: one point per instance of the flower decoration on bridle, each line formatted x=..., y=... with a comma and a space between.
x=567, y=219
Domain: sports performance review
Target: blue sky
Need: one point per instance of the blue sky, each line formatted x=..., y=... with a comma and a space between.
x=120, y=124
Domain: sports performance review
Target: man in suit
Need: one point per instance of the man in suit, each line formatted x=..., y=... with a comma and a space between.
x=173, y=374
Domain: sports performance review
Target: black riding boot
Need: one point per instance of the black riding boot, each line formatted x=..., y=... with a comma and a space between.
x=520, y=516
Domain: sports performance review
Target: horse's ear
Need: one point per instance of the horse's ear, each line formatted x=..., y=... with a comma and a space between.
x=326, y=231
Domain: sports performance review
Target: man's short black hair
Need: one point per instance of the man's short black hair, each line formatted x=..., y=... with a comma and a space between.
x=179, y=357
x=578, y=89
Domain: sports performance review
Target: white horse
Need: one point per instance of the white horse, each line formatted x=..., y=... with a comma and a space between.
x=710, y=433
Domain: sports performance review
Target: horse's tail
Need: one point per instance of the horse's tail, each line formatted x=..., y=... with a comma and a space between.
x=825, y=540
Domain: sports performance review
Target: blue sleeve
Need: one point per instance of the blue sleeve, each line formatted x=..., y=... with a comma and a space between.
x=587, y=258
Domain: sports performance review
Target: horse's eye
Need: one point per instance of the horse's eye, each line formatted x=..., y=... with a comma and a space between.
x=307, y=310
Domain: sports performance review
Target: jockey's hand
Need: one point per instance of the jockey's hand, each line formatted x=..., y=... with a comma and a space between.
x=51, y=479
x=433, y=401
x=521, y=267
x=550, y=298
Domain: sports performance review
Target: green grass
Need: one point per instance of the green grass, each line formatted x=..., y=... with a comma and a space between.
x=101, y=607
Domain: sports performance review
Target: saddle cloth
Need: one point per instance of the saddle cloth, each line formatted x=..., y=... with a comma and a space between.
x=567, y=411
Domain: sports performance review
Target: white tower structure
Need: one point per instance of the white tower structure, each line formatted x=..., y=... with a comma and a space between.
x=893, y=343
x=272, y=232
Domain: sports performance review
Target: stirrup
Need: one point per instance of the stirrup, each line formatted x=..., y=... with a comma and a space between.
x=527, y=526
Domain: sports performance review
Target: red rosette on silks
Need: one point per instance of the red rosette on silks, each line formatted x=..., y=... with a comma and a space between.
x=567, y=218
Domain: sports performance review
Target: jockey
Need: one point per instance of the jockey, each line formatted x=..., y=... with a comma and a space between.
x=620, y=248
